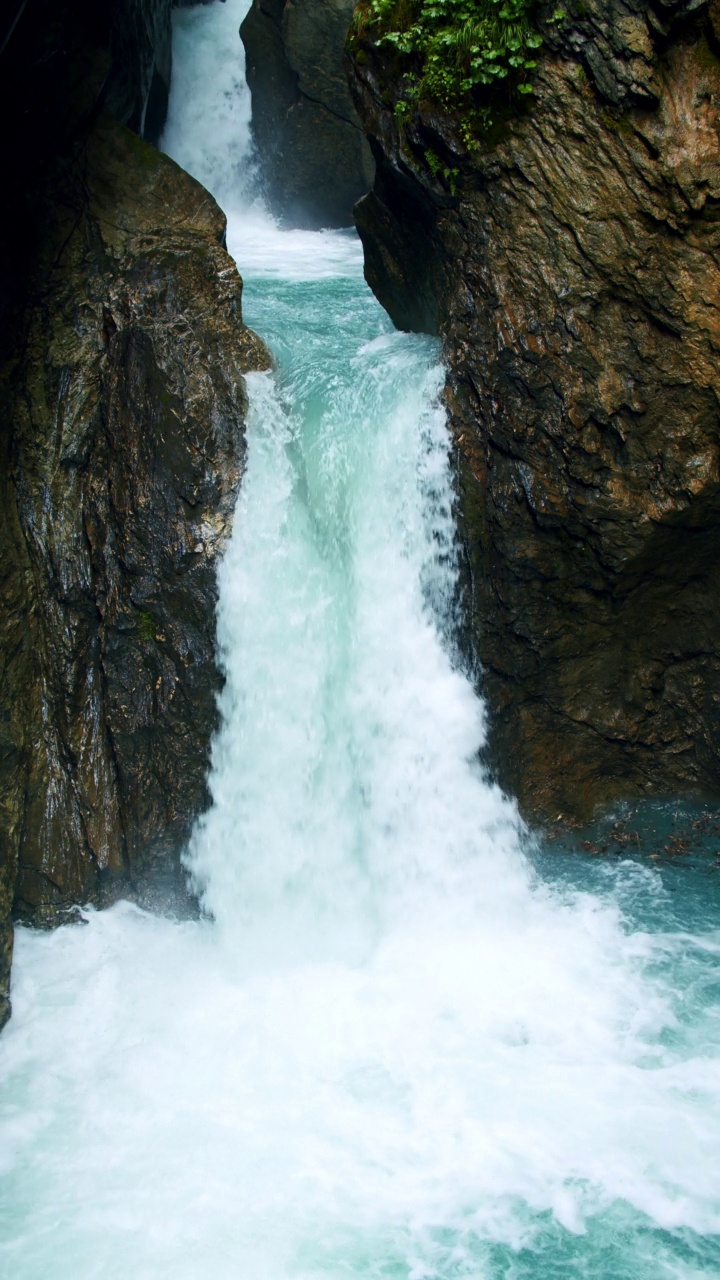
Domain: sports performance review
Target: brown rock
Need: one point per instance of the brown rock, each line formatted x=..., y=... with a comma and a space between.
x=574, y=273
x=123, y=406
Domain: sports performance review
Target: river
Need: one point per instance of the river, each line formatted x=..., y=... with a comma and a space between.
x=405, y=1042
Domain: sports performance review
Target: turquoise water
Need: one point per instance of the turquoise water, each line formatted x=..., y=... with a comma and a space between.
x=406, y=1041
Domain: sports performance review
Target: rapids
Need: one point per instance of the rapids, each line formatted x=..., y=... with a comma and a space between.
x=404, y=1043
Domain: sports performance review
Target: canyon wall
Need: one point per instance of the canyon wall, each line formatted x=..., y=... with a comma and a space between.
x=122, y=408
x=313, y=158
x=571, y=263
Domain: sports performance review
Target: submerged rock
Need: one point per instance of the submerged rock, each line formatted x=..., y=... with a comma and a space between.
x=126, y=405
x=572, y=265
x=314, y=159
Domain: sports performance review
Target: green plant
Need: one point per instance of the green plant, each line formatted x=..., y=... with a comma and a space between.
x=458, y=52
x=145, y=625
x=439, y=170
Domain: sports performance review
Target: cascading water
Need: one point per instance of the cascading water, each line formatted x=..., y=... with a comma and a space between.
x=396, y=1051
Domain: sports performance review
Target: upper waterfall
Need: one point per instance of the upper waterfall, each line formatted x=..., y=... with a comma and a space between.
x=208, y=124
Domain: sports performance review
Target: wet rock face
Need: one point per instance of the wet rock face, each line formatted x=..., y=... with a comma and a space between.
x=122, y=407
x=138, y=84
x=123, y=413
x=60, y=61
x=314, y=160
x=574, y=275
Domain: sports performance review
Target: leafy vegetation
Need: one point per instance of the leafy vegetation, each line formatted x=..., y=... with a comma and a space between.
x=146, y=625
x=436, y=167
x=458, y=52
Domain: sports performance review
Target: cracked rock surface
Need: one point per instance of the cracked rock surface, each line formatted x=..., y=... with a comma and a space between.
x=572, y=266
x=123, y=410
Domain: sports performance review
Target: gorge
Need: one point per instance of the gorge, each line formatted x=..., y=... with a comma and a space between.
x=403, y=1037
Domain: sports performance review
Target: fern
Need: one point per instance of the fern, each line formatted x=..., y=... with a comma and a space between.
x=458, y=52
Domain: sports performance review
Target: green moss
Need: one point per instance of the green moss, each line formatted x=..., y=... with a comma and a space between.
x=704, y=55
x=142, y=152
x=618, y=124
x=145, y=626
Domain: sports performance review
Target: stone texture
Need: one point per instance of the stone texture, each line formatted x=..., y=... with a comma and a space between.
x=574, y=274
x=122, y=406
x=59, y=63
x=138, y=85
x=314, y=160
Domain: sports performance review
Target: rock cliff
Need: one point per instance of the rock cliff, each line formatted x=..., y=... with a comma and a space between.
x=572, y=265
x=314, y=160
x=122, y=407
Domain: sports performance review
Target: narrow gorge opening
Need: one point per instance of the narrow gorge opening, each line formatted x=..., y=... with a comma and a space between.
x=403, y=1041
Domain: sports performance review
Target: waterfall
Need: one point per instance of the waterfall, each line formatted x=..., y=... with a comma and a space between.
x=402, y=1043
x=345, y=780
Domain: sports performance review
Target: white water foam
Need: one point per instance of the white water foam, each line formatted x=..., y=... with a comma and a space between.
x=208, y=133
x=394, y=1052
